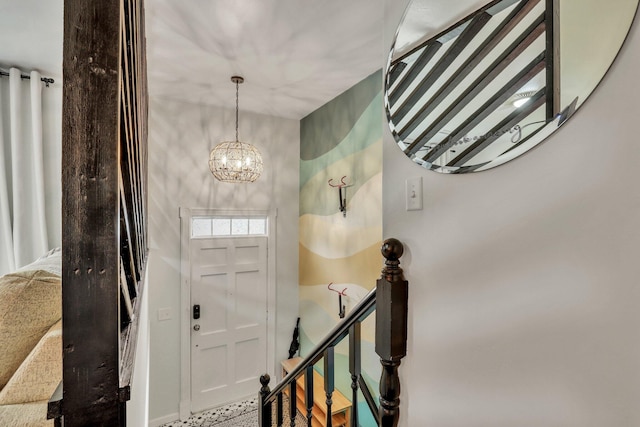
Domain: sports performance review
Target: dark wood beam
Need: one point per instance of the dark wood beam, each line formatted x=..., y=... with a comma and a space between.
x=90, y=213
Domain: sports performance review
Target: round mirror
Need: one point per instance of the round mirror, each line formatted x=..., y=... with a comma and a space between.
x=497, y=83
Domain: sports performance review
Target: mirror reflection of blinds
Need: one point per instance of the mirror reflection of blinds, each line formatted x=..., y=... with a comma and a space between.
x=437, y=95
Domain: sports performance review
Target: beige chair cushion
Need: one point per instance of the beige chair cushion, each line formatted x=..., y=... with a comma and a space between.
x=51, y=262
x=30, y=303
x=25, y=415
x=40, y=373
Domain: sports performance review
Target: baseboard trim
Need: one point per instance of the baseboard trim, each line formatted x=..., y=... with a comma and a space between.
x=157, y=422
x=185, y=410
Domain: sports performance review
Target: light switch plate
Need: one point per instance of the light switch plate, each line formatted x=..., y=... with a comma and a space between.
x=414, y=194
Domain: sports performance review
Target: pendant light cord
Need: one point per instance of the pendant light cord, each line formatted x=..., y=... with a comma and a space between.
x=237, y=83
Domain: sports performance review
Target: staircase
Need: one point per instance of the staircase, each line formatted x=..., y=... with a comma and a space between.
x=389, y=300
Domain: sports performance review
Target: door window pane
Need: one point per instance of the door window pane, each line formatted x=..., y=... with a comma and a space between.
x=201, y=227
x=239, y=226
x=221, y=226
x=257, y=226
x=235, y=226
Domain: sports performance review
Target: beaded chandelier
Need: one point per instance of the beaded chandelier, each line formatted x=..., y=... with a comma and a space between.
x=235, y=161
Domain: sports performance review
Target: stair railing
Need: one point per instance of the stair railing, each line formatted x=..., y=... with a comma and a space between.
x=389, y=300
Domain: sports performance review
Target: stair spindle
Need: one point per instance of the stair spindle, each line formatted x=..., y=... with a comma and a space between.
x=355, y=366
x=308, y=392
x=264, y=414
x=389, y=300
x=279, y=416
x=329, y=381
x=293, y=409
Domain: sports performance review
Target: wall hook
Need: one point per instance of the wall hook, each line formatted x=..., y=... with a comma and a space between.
x=341, y=196
x=341, y=308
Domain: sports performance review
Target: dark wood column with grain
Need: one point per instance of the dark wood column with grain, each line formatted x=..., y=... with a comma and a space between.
x=104, y=245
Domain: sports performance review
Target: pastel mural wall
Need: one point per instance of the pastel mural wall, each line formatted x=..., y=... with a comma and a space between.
x=342, y=140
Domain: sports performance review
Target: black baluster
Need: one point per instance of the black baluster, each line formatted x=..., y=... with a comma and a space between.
x=389, y=393
x=264, y=411
x=355, y=365
x=391, y=330
x=279, y=415
x=293, y=399
x=308, y=392
x=329, y=383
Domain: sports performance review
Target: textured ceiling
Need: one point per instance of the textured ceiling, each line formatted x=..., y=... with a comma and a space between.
x=295, y=55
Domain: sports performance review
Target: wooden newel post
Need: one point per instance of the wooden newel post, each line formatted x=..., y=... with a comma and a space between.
x=391, y=330
x=264, y=408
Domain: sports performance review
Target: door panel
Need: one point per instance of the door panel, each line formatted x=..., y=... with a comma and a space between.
x=228, y=351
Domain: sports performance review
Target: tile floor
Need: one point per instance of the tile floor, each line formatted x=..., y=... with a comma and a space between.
x=239, y=414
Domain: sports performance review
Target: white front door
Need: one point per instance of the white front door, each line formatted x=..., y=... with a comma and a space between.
x=228, y=341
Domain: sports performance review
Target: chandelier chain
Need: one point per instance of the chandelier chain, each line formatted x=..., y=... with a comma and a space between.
x=237, y=83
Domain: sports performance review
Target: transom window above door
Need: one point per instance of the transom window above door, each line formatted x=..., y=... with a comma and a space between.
x=228, y=226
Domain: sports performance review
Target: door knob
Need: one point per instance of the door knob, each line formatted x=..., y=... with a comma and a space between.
x=196, y=327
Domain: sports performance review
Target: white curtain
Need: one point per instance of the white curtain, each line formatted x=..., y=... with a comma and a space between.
x=23, y=229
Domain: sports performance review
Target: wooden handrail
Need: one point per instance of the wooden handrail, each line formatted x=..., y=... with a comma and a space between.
x=389, y=299
x=360, y=312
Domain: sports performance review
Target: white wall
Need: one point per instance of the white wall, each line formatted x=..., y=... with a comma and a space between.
x=524, y=304
x=138, y=406
x=181, y=136
x=32, y=31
